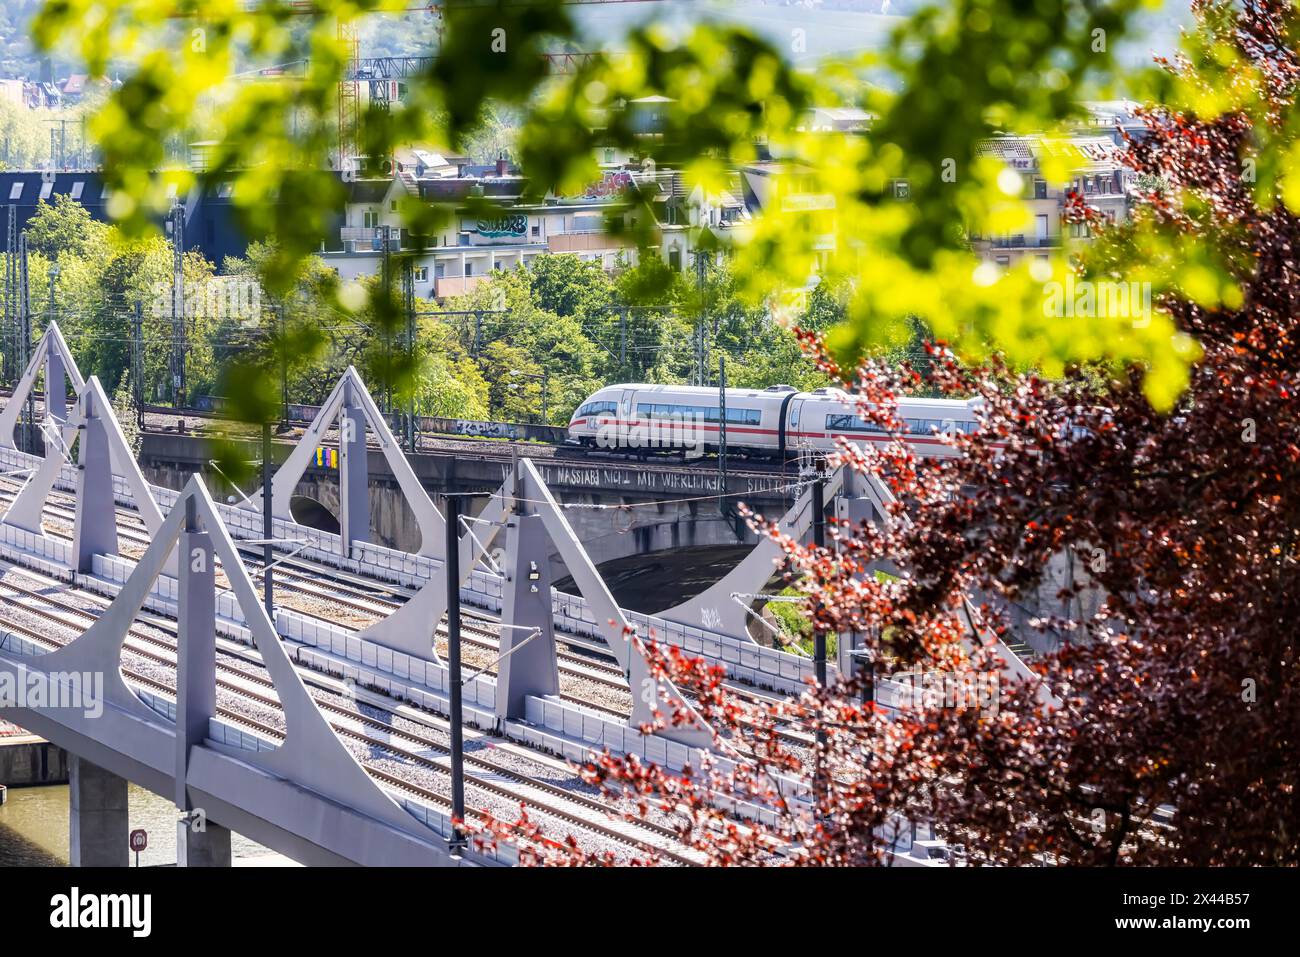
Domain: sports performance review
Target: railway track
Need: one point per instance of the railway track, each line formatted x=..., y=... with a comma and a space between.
x=523, y=790
x=595, y=664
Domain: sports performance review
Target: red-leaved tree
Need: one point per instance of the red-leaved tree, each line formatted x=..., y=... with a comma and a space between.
x=1170, y=733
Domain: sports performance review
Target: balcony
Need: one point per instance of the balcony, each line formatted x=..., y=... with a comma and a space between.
x=576, y=242
x=1020, y=241
x=445, y=286
x=368, y=238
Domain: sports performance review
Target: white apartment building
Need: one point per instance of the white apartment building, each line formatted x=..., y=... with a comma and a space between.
x=1096, y=176
x=474, y=242
x=491, y=227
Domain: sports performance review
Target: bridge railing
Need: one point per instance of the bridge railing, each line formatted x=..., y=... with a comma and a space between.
x=299, y=413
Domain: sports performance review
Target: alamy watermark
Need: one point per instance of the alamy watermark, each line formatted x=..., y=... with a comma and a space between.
x=220, y=297
x=67, y=690
x=680, y=431
x=1098, y=300
x=933, y=690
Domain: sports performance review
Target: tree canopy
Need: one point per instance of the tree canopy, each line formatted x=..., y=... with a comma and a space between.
x=950, y=76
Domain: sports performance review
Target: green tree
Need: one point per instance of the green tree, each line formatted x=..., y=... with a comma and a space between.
x=959, y=72
x=569, y=286
x=64, y=226
x=451, y=384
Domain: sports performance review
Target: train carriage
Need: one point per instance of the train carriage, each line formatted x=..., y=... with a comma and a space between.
x=776, y=422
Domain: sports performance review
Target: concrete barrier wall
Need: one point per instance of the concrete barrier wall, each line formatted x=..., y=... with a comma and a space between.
x=29, y=761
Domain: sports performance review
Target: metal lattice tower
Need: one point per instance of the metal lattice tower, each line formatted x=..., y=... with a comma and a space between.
x=178, y=306
x=408, y=305
x=11, y=369
x=137, y=362
x=24, y=353
x=349, y=105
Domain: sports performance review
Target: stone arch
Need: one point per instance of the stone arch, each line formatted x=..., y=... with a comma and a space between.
x=314, y=513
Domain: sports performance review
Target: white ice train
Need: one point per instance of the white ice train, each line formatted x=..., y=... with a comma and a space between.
x=776, y=422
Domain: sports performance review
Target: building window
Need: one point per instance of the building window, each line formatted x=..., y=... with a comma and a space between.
x=77, y=187
x=439, y=270
x=392, y=206
x=16, y=191
x=469, y=268
x=421, y=273
x=537, y=230
x=372, y=218
x=1040, y=189
x=609, y=156
x=46, y=189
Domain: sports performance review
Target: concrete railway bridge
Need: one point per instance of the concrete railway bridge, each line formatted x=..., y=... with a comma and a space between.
x=249, y=717
x=675, y=506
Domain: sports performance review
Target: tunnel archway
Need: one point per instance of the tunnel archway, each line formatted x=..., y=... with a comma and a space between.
x=309, y=512
x=645, y=583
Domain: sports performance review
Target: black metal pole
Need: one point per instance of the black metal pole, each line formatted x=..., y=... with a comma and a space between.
x=268, y=553
x=284, y=369
x=451, y=515
x=819, y=540
x=820, y=782
x=137, y=363
x=722, y=425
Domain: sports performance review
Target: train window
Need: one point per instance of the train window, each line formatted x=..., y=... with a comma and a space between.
x=598, y=408
x=848, y=422
x=699, y=413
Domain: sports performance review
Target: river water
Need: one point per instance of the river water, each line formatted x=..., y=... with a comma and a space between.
x=34, y=829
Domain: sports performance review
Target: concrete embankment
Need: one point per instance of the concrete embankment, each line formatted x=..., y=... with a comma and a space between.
x=26, y=760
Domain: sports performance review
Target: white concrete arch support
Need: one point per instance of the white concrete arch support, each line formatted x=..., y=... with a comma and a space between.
x=311, y=754
x=102, y=456
x=53, y=356
x=529, y=665
x=410, y=628
x=351, y=406
x=310, y=787
x=649, y=694
x=714, y=609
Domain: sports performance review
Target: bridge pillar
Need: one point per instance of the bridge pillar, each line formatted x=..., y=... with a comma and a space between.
x=201, y=843
x=354, y=474
x=532, y=668
x=56, y=393
x=99, y=822
x=95, y=525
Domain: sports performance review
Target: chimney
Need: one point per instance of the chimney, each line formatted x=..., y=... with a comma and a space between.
x=501, y=164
